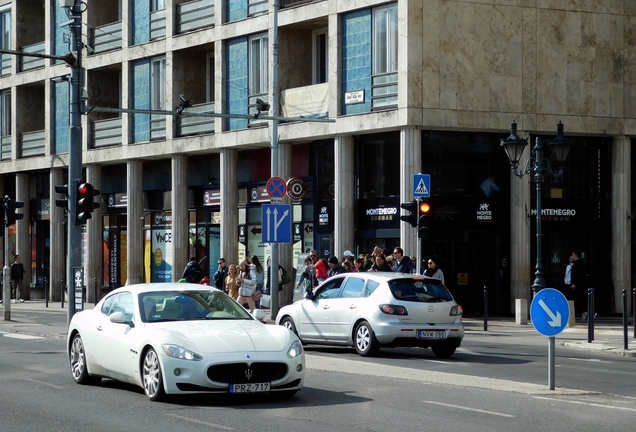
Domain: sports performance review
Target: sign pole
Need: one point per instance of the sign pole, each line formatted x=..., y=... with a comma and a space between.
x=551, y=363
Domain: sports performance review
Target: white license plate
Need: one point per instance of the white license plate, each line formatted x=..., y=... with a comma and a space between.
x=249, y=388
x=431, y=334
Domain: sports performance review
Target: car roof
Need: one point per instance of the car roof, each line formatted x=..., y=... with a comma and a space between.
x=164, y=286
x=386, y=276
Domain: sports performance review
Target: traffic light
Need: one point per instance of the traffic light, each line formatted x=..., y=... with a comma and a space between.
x=425, y=223
x=411, y=207
x=10, y=211
x=62, y=189
x=85, y=203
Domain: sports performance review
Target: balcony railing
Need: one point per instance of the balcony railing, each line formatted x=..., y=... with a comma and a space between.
x=197, y=125
x=309, y=101
x=157, y=126
x=33, y=143
x=7, y=61
x=194, y=15
x=29, y=63
x=384, y=90
x=107, y=132
x=157, y=24
x=5, y=147
x=106, y=37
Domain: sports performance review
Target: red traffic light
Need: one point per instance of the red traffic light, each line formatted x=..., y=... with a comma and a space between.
x=84, y=189
x=424, y=208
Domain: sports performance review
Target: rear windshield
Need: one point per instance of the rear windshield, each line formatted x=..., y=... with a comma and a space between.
x=419, y=291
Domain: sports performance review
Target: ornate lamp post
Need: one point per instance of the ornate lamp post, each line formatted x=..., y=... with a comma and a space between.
x=541, y=167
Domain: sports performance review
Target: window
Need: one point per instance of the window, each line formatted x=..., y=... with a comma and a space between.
x=5, y=23
x=157, y=5
x=385, y=55
x=371, y=286
x=158, y=84
x=258, y=64
x=5, y=113
x=320, y=56
x=209, y=73
x=330, y=290
x=353, y=288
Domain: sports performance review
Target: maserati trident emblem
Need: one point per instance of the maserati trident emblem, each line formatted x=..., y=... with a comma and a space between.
x=248, y=374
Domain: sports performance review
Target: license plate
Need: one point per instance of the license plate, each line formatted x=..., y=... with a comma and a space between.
x=431, y=334
x=250, y=388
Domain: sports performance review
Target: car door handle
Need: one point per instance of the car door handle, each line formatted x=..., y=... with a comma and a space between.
x=353, y=306
x=99, y=328
x=326, y=307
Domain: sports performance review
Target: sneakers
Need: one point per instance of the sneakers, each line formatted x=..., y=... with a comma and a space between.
x=21, y=300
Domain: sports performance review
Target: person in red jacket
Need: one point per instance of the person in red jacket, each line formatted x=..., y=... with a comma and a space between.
x=320, y=268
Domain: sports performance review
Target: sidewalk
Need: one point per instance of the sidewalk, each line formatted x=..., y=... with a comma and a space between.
x=34, y=318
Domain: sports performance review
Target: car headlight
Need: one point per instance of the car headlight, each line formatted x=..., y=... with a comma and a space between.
x=295, y=349
x=180, y=352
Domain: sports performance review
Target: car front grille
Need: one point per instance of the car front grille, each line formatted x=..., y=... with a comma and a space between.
x=242, y=373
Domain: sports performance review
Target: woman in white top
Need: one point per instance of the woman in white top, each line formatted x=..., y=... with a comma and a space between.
x=246, y=280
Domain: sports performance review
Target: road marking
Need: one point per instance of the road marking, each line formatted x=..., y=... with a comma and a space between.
x=586, y=403
x=471, y=409
x=19, y=336
x=43, y=383
x=589, y=360
x=214, y=425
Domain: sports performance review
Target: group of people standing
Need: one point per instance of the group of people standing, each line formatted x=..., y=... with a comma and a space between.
x=243, y=282
x=318, y=270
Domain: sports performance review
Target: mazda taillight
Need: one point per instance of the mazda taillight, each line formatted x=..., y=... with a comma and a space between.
x=391, y=309
x=456, y=310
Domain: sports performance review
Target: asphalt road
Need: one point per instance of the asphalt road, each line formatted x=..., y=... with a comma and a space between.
x=399, y=390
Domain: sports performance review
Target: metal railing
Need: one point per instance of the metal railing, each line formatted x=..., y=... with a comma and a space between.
x=106, y=37
x=194, y=15
x=107, y=132
x=33, y=143
x=30, y=63
x=196, y=125
x=157, y=24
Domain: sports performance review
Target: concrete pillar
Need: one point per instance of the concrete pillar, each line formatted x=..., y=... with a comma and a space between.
x=94, y=267
x=344, y=195
x=180, y=216
x=410, y=164
x=521, y=269
x=134, y=239
x=286, y=256
x=229, y=205
x=57, y=229
x=621, y=252
x=23, y=245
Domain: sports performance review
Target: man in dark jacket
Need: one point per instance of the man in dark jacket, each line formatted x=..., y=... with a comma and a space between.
x=220, y=275
x=334, y=267
x=17, y=275
x=402, y=264
x=193, y=272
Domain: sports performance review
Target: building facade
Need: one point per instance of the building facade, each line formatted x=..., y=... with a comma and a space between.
x=413, y=86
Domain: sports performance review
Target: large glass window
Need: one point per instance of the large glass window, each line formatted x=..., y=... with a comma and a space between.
x=5, y=23
x=5, y=113
x=258, y=65
x=320, y=57
x=385, y=56
x=158, y=5
x=378, y=165
x=210, y=78
x=158, y=84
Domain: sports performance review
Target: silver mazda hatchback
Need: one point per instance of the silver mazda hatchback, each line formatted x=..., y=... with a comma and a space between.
x=373, y=310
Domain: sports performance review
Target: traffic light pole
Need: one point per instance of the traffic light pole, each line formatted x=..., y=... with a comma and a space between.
x=6, y=271
x=75, y=155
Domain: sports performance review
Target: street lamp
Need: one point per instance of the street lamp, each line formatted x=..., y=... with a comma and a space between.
x=541, y=167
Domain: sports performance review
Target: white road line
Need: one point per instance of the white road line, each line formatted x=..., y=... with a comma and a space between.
x=19, y=336
x=217, y=426
x=589, y=360
x=586, y=403
x=471, y=409
x=43, y=383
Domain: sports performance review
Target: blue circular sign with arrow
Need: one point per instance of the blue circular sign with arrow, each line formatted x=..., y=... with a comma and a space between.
x=549, y=312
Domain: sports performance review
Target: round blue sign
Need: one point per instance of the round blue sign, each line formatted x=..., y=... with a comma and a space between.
x=549, y=312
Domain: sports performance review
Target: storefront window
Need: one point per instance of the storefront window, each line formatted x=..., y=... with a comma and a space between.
x=378, y=165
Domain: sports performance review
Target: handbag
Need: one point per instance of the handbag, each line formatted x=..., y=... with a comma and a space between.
x=257, y=295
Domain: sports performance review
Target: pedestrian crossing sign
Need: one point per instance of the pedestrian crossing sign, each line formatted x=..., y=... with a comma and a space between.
x=422, y=185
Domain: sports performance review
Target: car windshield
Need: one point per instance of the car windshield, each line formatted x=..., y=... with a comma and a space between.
x=162, y=306
x=419, y=290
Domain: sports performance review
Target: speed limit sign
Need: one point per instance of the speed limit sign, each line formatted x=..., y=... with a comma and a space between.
x=295, y=188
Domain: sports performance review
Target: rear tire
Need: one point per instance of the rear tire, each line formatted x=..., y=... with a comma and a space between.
x=364, y=339
x=77, y=361
x=151, y=375
x=444, y=350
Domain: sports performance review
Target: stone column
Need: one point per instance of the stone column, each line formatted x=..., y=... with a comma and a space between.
x=94, y=267
x=521, y=270
x=621, y=220
x=180, y=217
x=134, y=211
x=23, y=245
x=344, y=195
x=285, y=250
x=410, y=164
x=57, y=228
x=229, y=204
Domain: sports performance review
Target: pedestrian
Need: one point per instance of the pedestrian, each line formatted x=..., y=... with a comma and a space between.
x=433, y=271
x=193, y=273
x=320, y=268
x=369, y=259
x=259, y=273
x=578, y=287
x=402, y=264
x=247, y=285
x=358, y=265
x=230, y=282
x=380, y=264
x=348, y=256
x=346, y=265
x=567, y=279
x=17, y=275
x=305, y=282
x=488, y=186
x=334, y=267
x=220, y=275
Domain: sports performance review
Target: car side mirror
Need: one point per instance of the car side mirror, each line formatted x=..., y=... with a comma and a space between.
x=119, y=318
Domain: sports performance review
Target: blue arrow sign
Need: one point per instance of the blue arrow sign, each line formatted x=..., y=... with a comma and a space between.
x=549, y=312
x=276, y=222
x=422, y=185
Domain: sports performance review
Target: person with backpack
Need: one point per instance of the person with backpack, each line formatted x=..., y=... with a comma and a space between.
x=193, y=273
x=220, y=275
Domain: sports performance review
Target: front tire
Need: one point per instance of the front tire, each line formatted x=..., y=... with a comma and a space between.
x=364, y=339
x=288, y=323
x=77, y=360
x=151, y=375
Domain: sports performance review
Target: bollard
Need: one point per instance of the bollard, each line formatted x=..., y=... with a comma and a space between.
x=485, y=308
x=62, y=291
x=590, y=315
x=634, y=311
x=95, y=291
x=46, y=291
x=625, y=319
